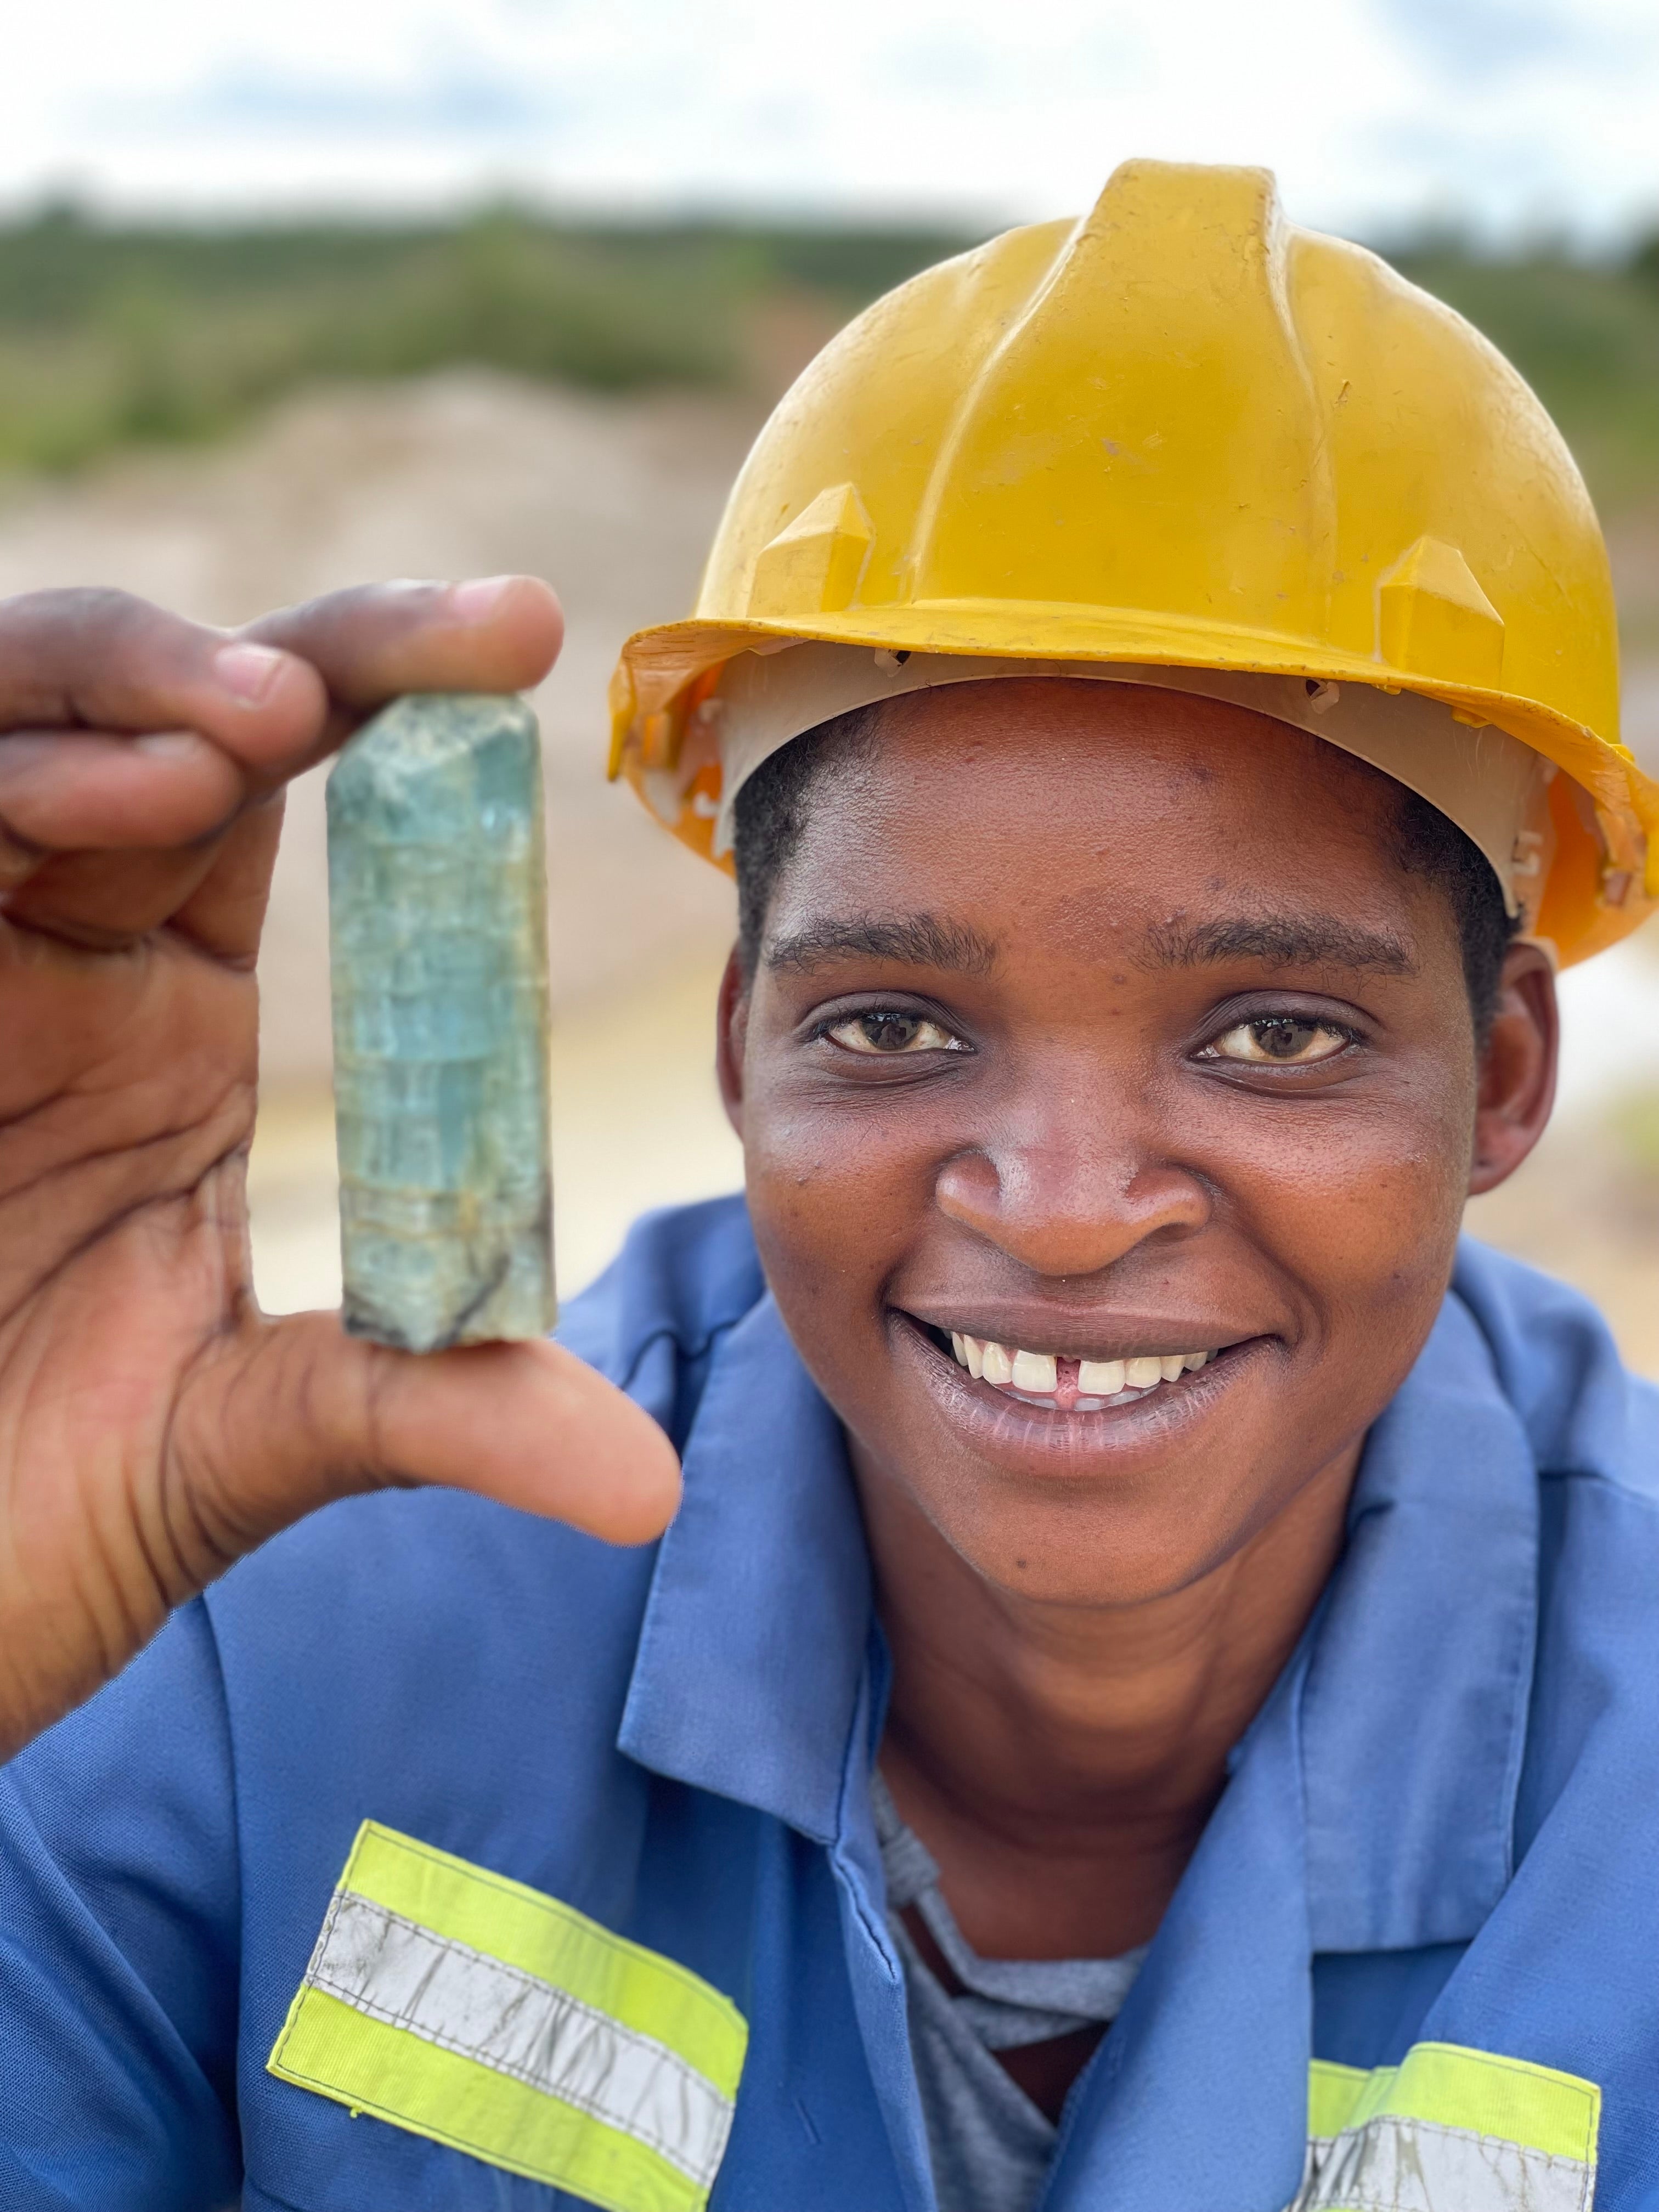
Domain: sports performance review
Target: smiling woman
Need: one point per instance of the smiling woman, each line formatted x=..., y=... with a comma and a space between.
x=1212, y=1095
x=1149, y=1701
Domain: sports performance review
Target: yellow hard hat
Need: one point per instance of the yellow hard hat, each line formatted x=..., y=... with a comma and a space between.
x=1180, y=433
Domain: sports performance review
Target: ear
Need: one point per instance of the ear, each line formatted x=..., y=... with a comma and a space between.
x=1518, y=1069
x=732, y=1027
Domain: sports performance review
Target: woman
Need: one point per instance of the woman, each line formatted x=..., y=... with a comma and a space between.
x=1148, y=1698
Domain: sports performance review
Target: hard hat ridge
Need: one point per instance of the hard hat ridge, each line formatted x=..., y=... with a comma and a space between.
x=1115, y=448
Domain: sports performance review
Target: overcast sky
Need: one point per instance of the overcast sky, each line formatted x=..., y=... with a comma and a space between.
x=1515, y=114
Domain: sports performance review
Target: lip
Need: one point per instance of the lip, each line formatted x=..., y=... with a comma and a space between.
x=1125, y=1336
x=1026, y=1439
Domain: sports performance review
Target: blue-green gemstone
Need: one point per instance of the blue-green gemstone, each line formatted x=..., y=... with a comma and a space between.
x=437, y=889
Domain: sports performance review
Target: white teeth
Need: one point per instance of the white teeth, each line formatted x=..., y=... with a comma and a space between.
x=1037, y=1373
x=1099, y=1378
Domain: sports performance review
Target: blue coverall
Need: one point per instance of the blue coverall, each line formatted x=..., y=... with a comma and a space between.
x=1441, y=1835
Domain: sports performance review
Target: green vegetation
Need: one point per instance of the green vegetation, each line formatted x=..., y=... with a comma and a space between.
x=110, y=335
x=1585, y=336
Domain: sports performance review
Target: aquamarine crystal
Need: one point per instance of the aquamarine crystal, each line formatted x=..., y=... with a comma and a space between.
x=438, y=939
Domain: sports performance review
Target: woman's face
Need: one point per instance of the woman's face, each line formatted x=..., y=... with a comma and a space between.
x=1102, y=1026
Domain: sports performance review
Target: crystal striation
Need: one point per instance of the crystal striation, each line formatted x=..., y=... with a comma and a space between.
x=438, y=937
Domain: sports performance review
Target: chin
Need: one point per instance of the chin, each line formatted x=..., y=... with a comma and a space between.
x=1042, y=1551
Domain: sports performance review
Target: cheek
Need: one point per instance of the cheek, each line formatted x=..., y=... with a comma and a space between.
x=841, y=1191
x=838, y=1192
x=1362, y=1204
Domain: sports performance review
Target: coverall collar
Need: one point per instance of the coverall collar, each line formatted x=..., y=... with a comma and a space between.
x=753, y=1651
x=754, y=1665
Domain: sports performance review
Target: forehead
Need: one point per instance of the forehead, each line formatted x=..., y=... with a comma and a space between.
x=1041, y=790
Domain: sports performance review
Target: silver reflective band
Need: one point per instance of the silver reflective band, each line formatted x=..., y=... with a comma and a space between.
x=391, y=1969
x=1395, y=2165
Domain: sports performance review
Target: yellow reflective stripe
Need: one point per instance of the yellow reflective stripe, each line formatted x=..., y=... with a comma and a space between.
x=557, y=1944
x=1332, y=2093
x=473, y=2010
x=1449, y=2127
x=370, y=2067
x=1488, y=2095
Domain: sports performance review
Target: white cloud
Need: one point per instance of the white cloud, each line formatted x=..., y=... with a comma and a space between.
x=1510, y=112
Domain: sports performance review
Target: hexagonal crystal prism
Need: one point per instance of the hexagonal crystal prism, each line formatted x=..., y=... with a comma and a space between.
x=438, y=940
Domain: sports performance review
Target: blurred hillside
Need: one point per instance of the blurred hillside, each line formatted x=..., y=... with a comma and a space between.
x=1585, y=336
x=111, y=336
x=115, y=337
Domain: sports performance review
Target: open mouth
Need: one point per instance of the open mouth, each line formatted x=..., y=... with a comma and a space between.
x=1061, y=1384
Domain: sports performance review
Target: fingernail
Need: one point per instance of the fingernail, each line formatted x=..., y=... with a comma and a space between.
x=171, y=744
x=249, y=671
x=474, y=602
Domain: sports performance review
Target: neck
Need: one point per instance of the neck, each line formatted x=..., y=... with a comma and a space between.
x=1060, y=1762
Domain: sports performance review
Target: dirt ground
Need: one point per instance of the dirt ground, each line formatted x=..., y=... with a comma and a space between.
x=615, y=500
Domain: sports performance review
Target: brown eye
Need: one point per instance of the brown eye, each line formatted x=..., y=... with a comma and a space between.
x=1279, y=1041
x=885, y=1030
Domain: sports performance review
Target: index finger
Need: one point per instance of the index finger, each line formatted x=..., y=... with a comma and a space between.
x=94, y=659
x=376, y=642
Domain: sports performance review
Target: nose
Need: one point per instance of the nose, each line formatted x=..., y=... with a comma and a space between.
x=1072, y=1183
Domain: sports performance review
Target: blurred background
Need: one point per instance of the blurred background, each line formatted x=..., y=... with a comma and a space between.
x=294, y=297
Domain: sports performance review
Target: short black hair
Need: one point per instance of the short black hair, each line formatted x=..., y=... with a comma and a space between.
x=1429, y=844
x=770, y=816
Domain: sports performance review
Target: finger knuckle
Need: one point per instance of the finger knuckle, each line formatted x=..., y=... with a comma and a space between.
x=56, y=643
x=75, y=610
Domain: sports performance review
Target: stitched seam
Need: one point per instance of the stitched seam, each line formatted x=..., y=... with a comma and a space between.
x=522, y=1894
x=553, y=2175
x=1443, y=2128
x=571, y=2097
x=316, y=1980
x=535, y=1981
x=1361, y=2200
x=1351, y=2201
x=308, y=1979
x=1499, y=2063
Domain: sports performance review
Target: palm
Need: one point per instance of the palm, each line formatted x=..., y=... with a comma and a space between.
x=123, y=1261
x=153, y=1425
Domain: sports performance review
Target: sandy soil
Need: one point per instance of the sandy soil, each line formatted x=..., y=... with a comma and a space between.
x=465, y=474
x=471, y=474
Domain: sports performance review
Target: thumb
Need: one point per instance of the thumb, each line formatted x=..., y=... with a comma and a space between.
x=293, y=1412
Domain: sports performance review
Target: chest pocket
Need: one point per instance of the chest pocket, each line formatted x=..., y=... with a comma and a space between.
x=1449, y=2127
x=477, y=2013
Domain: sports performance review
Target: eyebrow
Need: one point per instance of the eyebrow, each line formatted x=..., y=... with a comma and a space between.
x=917, y=940
x=1280, y=940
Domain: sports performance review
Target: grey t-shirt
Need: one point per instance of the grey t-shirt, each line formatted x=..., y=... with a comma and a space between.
x=990, y=2144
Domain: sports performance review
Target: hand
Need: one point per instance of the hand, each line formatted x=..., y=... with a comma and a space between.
x=154, y=1424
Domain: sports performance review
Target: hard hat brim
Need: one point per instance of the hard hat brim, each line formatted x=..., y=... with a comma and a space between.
x=1604, y=885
